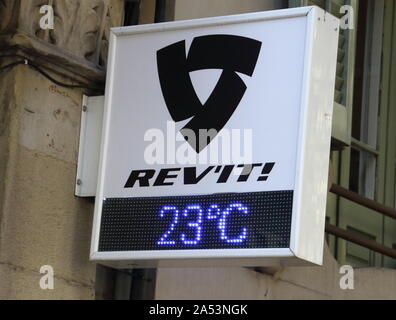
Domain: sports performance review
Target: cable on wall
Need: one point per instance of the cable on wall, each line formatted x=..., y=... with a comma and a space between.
x=32, y=65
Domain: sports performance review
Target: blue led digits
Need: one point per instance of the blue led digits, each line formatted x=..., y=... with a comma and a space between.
x=223, y=223
x=213, y=212
x=197, y=225
x=163, y=240
x=210, y=215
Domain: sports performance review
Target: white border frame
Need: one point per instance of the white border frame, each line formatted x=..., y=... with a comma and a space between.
x=200, y=257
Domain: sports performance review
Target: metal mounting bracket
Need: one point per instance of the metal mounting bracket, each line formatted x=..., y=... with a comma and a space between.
x=89, y=148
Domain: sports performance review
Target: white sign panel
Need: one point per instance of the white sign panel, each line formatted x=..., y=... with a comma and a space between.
x=216, y=141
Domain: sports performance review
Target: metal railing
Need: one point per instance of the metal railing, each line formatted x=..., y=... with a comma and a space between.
x=353, y=237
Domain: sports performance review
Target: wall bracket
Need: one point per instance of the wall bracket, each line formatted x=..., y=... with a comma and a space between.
x=89, y=148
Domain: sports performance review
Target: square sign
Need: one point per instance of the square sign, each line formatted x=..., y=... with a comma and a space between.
x=216, y=141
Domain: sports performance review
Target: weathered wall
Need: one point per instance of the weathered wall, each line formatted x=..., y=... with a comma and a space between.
x=41, y=221
x=286, y=283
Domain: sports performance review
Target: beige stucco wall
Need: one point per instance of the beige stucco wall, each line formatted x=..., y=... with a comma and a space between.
x=42, y=222
x=191, y=9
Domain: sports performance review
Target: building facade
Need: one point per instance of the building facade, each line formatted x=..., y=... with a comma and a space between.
x=45, y=230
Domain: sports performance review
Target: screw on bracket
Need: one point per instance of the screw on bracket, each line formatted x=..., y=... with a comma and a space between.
x=84, y=108
x=79, y=182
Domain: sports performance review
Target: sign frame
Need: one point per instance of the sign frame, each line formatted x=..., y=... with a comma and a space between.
x=307, y=235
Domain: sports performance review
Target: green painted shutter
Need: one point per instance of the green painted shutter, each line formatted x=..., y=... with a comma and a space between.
x=340, y=90
x=343, y=93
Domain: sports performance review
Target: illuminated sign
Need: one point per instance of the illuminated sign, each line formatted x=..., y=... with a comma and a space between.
x=216, y=140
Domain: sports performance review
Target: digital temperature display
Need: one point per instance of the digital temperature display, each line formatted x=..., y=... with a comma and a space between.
x=217, y=221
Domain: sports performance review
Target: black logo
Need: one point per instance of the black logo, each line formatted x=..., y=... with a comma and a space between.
x=227, y=52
